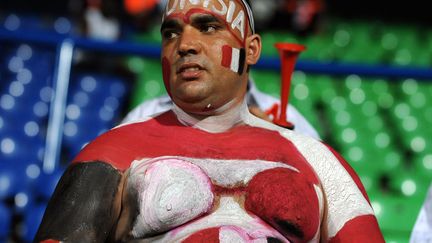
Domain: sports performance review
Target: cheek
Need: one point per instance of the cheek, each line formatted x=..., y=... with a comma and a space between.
x=233, y=59
x=166, y=74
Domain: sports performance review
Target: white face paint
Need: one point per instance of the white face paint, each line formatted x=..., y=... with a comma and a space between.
x=232, y=12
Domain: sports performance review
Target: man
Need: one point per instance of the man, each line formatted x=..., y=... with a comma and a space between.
x=258, y=103
x=208, y=170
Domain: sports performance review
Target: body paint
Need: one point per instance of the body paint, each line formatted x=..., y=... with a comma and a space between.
x=186, y=19
x=224, y=10
x=233, y=58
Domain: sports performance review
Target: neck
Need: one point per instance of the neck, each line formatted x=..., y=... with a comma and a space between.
x=223, y=119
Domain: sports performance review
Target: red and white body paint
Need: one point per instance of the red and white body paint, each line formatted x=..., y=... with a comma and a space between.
x=232, y=12
x=243, y=182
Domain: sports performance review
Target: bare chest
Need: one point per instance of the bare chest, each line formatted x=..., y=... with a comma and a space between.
x=179, y=198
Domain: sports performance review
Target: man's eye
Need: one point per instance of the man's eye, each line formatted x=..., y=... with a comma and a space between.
x=208, y=28
x=169, y=34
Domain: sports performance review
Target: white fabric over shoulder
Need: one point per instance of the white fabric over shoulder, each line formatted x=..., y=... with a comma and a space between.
x=422, y=231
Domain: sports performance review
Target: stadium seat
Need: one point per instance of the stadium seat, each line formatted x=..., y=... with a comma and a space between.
x=32, y=221
x=46, y=183
x=5, y=222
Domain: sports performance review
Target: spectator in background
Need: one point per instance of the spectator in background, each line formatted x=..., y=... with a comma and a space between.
x=300, y=16
x=142, y=14
x=100, y=24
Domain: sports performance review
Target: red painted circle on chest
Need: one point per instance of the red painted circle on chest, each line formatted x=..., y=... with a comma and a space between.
x=287, y=200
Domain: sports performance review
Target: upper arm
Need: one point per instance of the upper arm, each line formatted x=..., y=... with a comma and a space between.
x=360, y=227
x=85, y=205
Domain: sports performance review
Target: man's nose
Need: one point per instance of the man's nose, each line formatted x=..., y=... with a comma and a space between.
x=189, y=42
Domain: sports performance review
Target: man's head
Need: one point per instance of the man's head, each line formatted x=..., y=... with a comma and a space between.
x=207, y=46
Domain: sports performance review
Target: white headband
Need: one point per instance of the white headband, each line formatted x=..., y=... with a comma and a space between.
x=250, y=16
x=245, y=5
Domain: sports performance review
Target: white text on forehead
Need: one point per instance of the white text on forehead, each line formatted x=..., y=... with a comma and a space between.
x=220, y=9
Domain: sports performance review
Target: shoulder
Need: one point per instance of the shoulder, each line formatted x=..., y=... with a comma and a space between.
x=120, y=145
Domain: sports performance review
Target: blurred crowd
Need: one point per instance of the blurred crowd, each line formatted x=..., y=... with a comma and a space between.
x=104, y=18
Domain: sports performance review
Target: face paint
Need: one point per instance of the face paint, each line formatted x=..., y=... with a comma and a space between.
x=233, y=58
x=166, y=73
x=232, y=12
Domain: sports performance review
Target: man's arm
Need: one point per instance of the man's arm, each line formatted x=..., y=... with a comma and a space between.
x=85, y=206
x=360, y=228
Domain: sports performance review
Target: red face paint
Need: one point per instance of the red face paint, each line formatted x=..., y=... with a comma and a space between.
x=233, y=58
x=226, y=56
x=166, y=74
x=187, y=17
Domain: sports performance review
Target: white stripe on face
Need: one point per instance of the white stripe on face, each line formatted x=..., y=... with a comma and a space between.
x=235, y=59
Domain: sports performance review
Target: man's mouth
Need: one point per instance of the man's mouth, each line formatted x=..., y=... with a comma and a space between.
x=189, y=67
x=189, y=71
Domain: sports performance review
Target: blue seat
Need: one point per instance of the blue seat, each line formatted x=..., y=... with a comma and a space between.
x=10, y=180
x=23, y=201
x=6, y=220
x=32, y=221
x=118, y=88
x=46, y=183
x=79, y=132
x=19, y=147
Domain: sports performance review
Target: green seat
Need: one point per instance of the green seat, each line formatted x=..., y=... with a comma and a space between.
x=270, y=38
x=409, y=184
x=422, y=164
x=396, y=214
x=396, y=237
x=150, y=36
x=149, y=83
x=267, y=81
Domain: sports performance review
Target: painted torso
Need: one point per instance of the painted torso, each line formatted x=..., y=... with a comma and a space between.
x=246, y=184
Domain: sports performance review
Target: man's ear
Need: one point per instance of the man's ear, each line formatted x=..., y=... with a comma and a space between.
x=253, y=49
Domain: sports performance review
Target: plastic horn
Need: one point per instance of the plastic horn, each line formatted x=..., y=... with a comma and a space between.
x=288, y=53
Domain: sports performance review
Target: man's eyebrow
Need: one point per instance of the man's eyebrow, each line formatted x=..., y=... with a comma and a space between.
x=205, y=19
x=170, y=24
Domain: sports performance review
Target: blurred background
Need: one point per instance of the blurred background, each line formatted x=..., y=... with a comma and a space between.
x=70, y=70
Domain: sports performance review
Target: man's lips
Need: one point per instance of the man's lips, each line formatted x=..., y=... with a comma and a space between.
x=189, y=70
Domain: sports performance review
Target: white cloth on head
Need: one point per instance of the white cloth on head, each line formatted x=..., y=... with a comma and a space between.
x=262, y=100
x=422, y=231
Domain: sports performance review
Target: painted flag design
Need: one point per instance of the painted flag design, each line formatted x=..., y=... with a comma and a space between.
x=233, y=58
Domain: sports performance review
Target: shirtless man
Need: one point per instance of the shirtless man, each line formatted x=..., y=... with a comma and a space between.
x=208, y=170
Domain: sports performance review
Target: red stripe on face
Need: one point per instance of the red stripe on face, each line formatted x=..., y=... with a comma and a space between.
x=226, y=56
x=186, y=19
x=166, y=74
